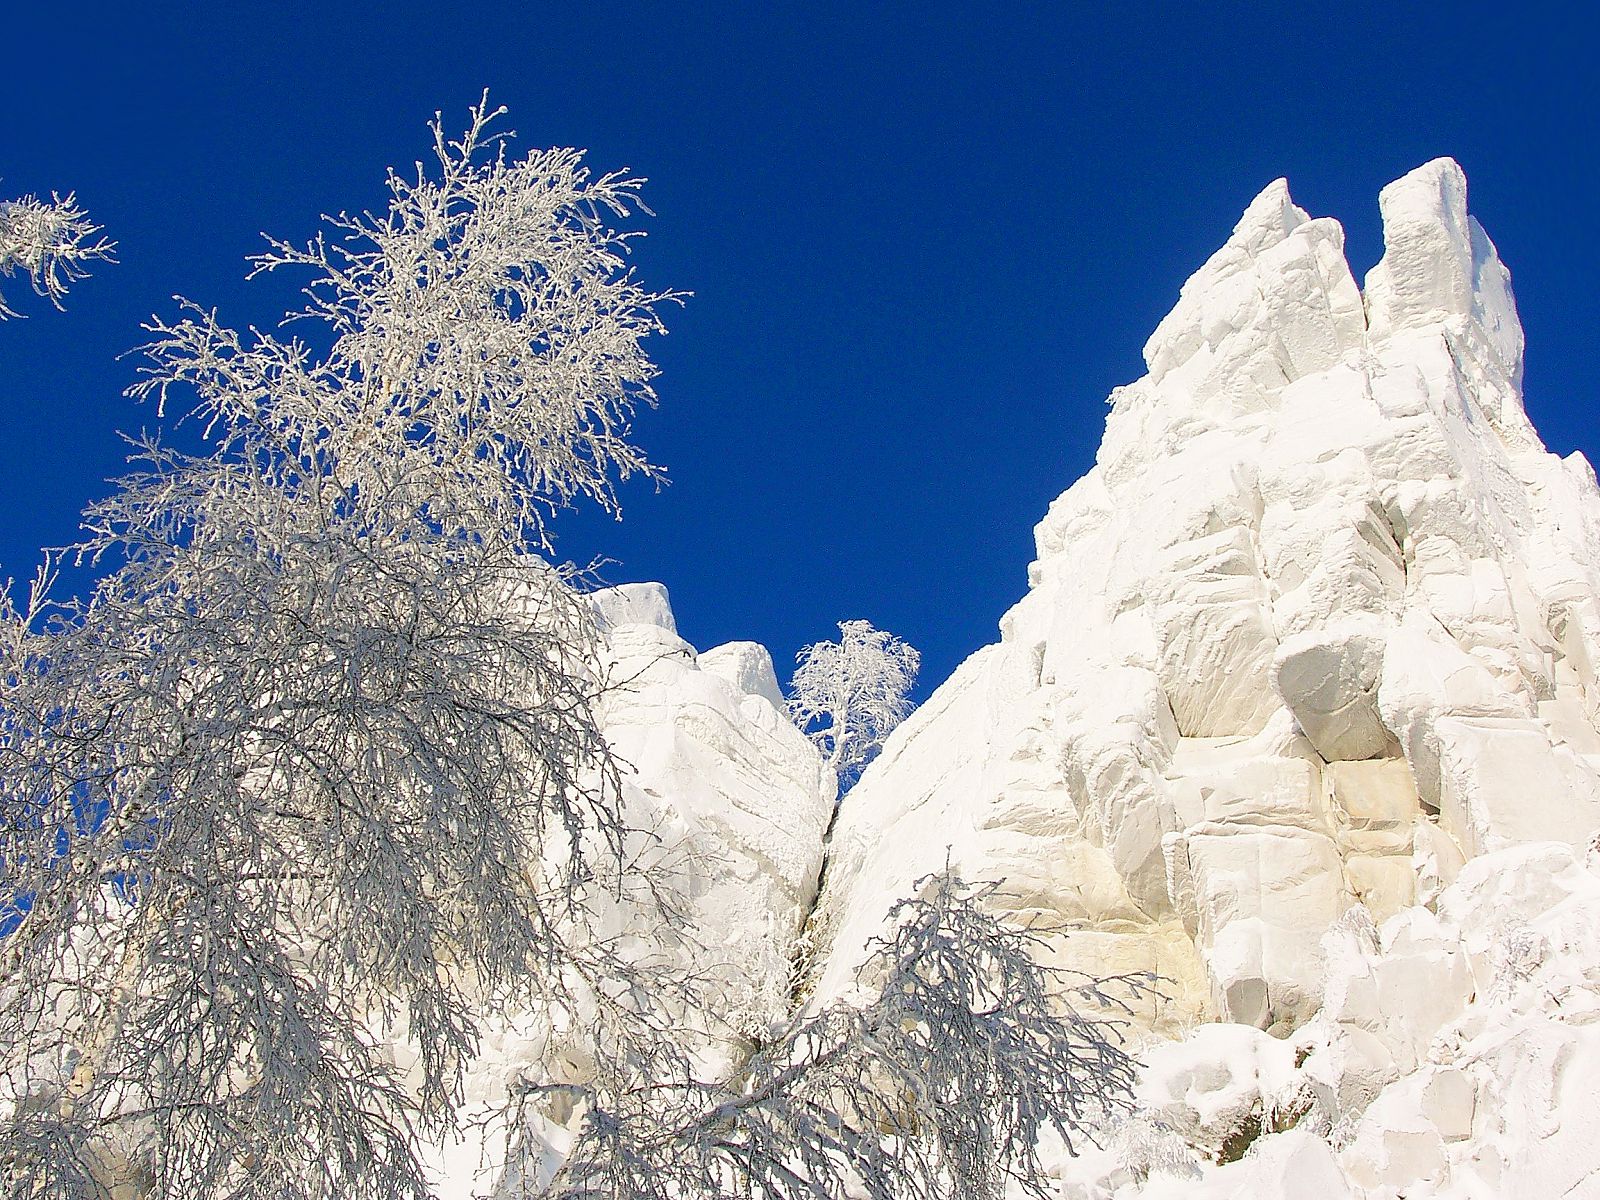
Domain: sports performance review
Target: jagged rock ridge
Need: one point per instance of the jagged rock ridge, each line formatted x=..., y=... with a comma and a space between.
x=1315, y=636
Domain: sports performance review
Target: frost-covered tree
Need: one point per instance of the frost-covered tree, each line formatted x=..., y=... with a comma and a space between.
x=847, y=696
x=937, y=1085
x=51, y=242
x=317, y=761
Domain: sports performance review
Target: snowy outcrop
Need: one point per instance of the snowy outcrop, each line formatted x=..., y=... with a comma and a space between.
x=748, y=666
x=1315, y=636
x=734, y=803
x=725, y=781
x=1455, y=1056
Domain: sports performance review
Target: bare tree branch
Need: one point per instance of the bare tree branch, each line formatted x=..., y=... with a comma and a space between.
x=936, y=1088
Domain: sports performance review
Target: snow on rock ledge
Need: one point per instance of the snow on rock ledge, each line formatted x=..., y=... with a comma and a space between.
x=1456, y=1057
x=748, y=666
x=634, y=604
x=1318, y=628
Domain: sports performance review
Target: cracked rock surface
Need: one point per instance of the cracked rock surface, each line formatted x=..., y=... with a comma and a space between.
x=1299, y=712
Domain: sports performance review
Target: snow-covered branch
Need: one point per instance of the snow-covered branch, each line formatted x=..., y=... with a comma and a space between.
x=50, y=242
x=938, y=1085
x=318, y=762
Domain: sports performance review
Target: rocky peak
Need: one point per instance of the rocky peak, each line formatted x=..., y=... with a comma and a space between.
x=1318, y=628
x=1306, y=664
x=1301, y=696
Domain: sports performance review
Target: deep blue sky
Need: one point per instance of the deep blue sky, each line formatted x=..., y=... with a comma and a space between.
x=924, y=241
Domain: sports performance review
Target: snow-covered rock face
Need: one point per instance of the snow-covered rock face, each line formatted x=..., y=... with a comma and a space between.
x=732, y=803
x=734, y=792
x=1318, y=628
x=1456, y=1056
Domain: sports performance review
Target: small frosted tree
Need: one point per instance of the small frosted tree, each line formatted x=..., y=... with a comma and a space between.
x=847, y=696
x=50, y=242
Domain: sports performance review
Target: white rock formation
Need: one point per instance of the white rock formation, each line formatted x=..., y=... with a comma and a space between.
x=1455, y=1057
x=1311, y=649
x=733, y=790
x=739, y=802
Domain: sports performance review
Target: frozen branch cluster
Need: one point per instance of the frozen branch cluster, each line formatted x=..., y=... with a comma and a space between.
x=487, y=353
x=847, y=696
x=319, y=756
x=50, y=242
x=938, y=1087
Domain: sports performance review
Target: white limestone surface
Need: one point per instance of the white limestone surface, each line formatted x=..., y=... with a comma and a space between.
x=1299, y=711
x=735, y=802
x=1455, y=1056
